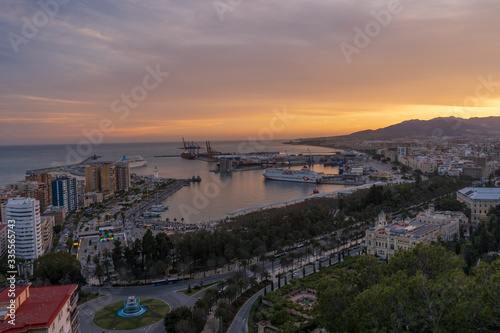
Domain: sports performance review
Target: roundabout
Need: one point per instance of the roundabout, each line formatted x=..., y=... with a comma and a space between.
x=112, y=316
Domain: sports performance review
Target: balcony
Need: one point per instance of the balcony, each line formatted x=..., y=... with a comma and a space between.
x=75, y=326
x=74, y=301
x=74, y=316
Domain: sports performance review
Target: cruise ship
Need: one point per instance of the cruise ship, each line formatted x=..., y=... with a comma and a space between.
x=302, y=176
x=134, y=161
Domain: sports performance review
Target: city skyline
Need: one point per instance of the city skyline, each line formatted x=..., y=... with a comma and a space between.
x=334, y=67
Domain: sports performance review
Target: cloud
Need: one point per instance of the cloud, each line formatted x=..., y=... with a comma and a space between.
x=225, y=73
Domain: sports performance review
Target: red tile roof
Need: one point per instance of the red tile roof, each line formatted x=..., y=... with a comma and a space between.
x=4, y=297
x=41, y=308
x=3, y=226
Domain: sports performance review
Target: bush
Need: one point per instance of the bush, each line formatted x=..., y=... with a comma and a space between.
x=197, y=287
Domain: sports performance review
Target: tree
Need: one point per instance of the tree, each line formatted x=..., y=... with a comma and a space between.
x=58, y=268
x=99, y=272
x=222, y=312
x=174, y=317
x=106, y=263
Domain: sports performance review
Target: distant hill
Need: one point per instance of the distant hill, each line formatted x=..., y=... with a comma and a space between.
x=450, y=126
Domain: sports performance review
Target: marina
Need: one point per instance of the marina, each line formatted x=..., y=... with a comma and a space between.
x=209, y=186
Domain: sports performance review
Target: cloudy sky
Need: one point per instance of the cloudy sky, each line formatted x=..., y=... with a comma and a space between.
x=232, y=64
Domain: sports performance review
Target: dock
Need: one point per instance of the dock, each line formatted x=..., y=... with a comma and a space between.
x=158, y=156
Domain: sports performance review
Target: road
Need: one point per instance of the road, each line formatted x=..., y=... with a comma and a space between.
x=168, y=294
x=240, y=321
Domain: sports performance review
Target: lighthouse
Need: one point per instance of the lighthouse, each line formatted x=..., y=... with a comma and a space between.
x=156, y=173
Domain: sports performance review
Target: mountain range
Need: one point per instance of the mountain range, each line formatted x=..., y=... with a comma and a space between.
x=449, y=126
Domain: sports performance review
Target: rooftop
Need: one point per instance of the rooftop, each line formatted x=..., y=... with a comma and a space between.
x=40, y=309
x=481, y=193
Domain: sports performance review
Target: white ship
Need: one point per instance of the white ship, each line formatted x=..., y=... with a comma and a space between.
x=302, y=176
x=134, y=161
x=152, y=214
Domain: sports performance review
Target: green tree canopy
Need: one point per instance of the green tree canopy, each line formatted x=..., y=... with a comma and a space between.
x=58, y=268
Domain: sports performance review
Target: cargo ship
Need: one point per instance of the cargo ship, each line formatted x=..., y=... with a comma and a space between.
x=188, y=156
x=301, y=176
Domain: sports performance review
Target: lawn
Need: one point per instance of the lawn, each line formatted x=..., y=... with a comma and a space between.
x=108, y=318
x=195, y=291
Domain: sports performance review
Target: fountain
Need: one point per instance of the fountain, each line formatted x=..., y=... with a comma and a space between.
x=132, y=308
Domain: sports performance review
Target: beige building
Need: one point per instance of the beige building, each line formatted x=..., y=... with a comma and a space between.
x=59, y=214
x=32, y=189
x=47, y=226
x=5, y=195
x=50, y=309
x=479, y=200
x=385, y=239
x=100, y=178
x=122, y=170
x=45, y=178
x=448, y=220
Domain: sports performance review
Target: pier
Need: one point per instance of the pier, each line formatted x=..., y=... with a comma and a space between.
x=55, y=168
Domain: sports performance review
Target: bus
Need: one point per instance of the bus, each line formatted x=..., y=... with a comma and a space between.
x=277, y=256
x=158, y=283
x=173, y=280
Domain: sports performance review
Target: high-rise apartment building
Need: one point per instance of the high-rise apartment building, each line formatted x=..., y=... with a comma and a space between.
x=122, y=170
x=5, y=195
x=25, y=212
x=47, y=227
x=64, y=193
x=32, y=189
x=45, y=178
x=100, y=178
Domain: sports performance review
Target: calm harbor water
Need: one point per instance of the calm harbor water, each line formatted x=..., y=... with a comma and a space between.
x=200, y=202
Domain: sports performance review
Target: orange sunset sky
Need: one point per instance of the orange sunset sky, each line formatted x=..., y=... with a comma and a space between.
x=231, y=63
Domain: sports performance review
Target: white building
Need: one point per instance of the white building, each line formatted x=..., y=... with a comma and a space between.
x=25, y=212
x=479, y=200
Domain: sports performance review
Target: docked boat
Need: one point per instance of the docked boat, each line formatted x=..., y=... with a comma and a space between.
x=158, y=208
x=134, y=161
x=152, y=214
x=301, y=176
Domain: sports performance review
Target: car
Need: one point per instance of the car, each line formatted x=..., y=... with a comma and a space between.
x=295, y=274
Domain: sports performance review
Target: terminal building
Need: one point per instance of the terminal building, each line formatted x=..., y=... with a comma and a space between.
x=479, y=200
x=384, y=239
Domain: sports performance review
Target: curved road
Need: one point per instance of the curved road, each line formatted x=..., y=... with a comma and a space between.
x=168, y=294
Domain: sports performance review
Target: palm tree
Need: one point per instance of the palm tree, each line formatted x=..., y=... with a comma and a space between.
x=107, y=264
x=221, y=312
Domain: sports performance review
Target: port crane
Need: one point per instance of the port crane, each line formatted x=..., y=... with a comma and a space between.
x=210, y=151
x=191, y=149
